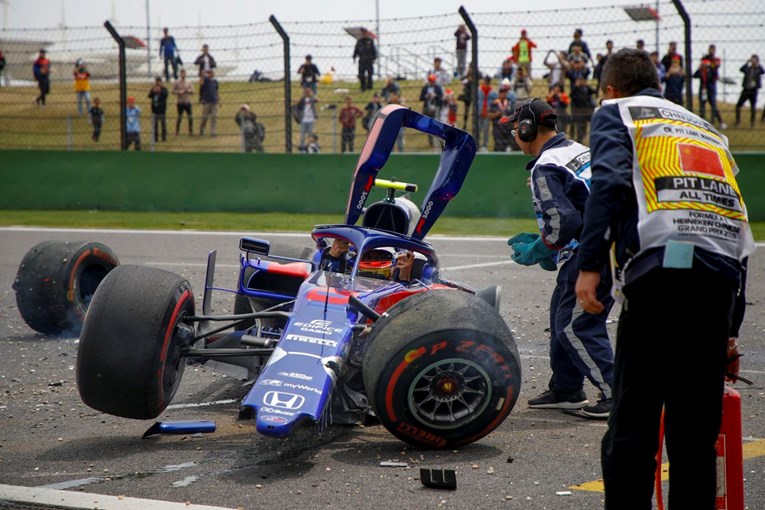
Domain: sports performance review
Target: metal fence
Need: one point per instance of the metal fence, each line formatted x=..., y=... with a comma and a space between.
x=252, y=61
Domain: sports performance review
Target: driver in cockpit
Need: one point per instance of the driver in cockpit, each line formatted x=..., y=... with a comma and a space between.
x=377, y=263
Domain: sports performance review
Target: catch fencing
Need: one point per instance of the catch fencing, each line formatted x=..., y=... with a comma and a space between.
x=257, y=65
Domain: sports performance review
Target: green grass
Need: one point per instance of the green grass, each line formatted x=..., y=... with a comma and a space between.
x=255, y=222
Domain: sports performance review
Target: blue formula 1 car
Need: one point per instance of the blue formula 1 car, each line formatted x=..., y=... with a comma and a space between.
x=332, y=338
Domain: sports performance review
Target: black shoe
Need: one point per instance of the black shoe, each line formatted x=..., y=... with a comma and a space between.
x=551, y=399
x=599, y=411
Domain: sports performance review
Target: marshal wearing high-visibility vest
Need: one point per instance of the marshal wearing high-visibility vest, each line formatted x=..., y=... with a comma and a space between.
x=664, y=195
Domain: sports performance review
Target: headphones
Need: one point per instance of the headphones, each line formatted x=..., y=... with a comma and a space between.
x=527, y=128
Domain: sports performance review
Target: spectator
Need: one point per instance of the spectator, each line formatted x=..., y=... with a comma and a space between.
x=391, y=86
x=432, y=97
x=183, y=90
x=578, y=67
x=708, y=74
x=462, y=36
x=305, y=113
x=96, y=118
x=466, y=97
x=672, y=56
x=675, y=83
x=582, y=106
x=750, y=86
x=486, y=96
x=210, y=97
x=502, y=106
x=371, y=109
x=508, y=70
x=396, y=99
x=158, y=95
x=449, y=111
x=443, y=77
x=313, y=144
x=2, y=66
x=558, y=66
x=601, y=61
x=559, y=100
x=366, y=52
x=522, y=85
x=640, y=45
x=661, y=71
x=309, y=74
x=205, y=61
x=578, y=40
x=82, y=85
x=522, y=51
x=41, y=70
x=133, y=124
x=253, y=132
x=348, y=116
x=168, y=51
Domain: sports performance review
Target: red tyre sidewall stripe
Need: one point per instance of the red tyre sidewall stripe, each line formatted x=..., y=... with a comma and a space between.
x=495, y=423
x=168, y=335
x=73, y=276
x=408, y=358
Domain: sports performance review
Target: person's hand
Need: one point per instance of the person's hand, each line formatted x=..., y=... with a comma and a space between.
x=534, y=252
x=338, y=248
x=586, y=286
x=734, y=361
x=526, y=237
x=404, y=263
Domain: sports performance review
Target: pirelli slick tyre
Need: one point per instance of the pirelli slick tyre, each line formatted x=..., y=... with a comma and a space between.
x=129, y=361
x=56, y=281
x=442, y=370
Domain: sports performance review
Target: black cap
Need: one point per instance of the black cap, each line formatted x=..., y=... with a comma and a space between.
x=536, y=109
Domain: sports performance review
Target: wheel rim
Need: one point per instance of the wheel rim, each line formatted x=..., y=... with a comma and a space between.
x=449, y=393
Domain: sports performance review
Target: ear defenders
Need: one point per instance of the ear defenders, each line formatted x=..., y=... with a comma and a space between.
x=527, y=128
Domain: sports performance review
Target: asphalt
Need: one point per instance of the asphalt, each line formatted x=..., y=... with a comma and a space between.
x=537, y=459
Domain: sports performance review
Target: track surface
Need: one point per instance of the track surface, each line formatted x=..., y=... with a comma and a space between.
x=48, y=438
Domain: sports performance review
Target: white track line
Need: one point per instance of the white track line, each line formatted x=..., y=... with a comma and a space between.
x=52, y=497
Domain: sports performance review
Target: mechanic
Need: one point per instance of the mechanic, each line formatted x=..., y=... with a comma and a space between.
x=680, y=282
x=375, y=263
x=559, y=181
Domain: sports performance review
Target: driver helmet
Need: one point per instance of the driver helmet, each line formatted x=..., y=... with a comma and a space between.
x=377, y=263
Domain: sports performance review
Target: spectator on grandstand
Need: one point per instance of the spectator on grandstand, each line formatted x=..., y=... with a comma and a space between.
x=41, y=71
x=600, y=62
x=578, y=67
x=366, y=52
x=313, y=144
x=750, y=86
x=2, y=67
x=522, y=52
x=432, y=97
x=486, y=96
x=304, y=112
x=462, y=36
x=168, y=51
x=672, y=56
x=210, y=97
x=82, y=85
x=450, y=109
x=96, y=118
x=582, y=106
x=391, y=86
x=640, y=45
x=205, y=61
x=394, y=98
x=557, y=63
x=443, y=77
x=521, y=85
x=253, y=132
x=708, y=74
x=675, y=83
x=347, y=118
x=370, y=110
x=578, y=40
x=158, y=95
x=661, y=71
x=503, y=105
x=309, y=73
x=183, y=90
x=507, y=70
x=133, y=124
x=466, y=96
x=559, y=100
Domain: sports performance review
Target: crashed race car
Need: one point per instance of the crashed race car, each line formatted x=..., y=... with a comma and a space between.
x=326, y=339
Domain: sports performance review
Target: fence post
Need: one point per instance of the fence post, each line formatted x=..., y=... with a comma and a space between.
x=473, y=69
x=287, y=84
x=688, y=55
x=69, y=134
x=123, y=84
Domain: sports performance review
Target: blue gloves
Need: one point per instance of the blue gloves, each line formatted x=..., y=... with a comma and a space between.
x=529, y=249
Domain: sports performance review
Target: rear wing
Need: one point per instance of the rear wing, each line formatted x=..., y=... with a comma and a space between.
x=456, y=157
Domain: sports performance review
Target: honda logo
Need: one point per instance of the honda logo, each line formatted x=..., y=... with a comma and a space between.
x=283, y=400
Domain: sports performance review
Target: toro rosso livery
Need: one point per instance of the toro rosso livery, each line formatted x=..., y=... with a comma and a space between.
x=334, y=337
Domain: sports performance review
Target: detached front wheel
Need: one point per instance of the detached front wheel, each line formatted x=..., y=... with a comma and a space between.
x=442, y=370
